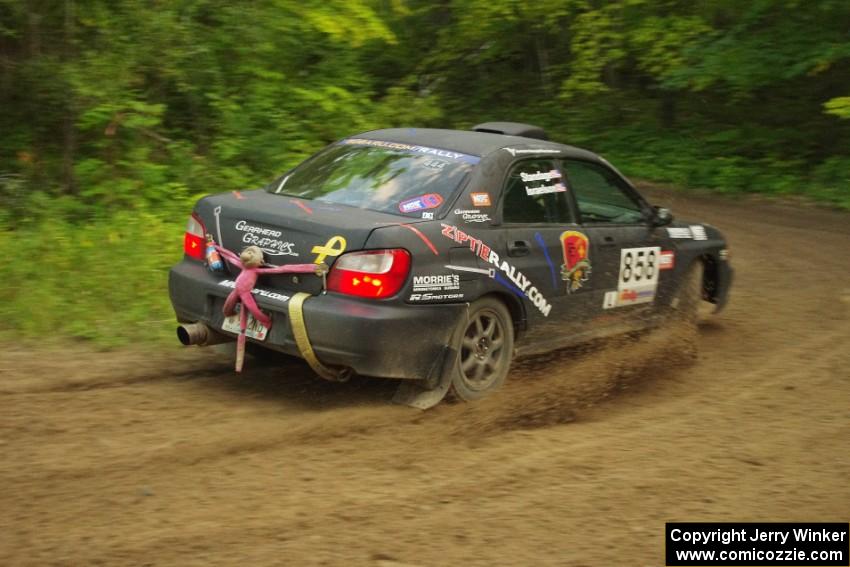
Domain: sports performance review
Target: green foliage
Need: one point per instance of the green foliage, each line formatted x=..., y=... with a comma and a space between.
x=119, y=114
x=104, y=280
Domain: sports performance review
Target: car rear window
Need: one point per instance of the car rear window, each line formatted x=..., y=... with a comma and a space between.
x=390, y=177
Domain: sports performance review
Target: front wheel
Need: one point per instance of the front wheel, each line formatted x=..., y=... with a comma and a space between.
x=485, y=344
x=686, y=303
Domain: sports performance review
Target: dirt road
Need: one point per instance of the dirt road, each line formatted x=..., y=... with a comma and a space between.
x=134, y=458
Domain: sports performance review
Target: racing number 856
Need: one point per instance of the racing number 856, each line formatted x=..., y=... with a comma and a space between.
x=638, y=264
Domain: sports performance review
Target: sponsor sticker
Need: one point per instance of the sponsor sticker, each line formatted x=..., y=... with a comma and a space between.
x=679, y=232
x=515, y=280
x=480, y=199
x=666, y=260
x=472, y=215
x=576, y=267
x=699, y=232
x=428, y=216
x=515, y=152
x=443, y=282
x=638, y=278
x=434, y=296
x=425, y=150
x=269, y=240
x=231, y=284
x=420, y=203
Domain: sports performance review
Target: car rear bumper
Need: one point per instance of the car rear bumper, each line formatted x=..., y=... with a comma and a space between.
x=371, y=337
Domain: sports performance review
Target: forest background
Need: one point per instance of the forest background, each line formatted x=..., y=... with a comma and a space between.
x=118, y=114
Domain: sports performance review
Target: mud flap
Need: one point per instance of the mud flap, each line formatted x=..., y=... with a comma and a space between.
x=425, y=394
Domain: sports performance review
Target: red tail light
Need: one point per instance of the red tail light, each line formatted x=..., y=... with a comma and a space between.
x=372, y=273
x=194, y=240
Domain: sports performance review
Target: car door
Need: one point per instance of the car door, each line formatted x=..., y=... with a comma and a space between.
x=544, y=243
x=624, y=249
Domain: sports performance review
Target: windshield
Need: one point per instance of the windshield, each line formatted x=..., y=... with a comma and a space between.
x=390, y=177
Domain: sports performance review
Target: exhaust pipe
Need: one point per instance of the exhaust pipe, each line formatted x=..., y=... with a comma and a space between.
x=199, y=334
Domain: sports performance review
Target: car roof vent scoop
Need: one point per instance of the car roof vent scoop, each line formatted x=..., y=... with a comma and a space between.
x=512, y=129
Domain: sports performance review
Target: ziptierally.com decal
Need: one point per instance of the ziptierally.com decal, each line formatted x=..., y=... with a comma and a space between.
x=515, y=280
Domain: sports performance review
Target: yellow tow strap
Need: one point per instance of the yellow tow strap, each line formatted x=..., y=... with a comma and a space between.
x=299, y=331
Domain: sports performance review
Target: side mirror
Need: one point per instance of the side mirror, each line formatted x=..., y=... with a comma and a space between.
x=662, y=216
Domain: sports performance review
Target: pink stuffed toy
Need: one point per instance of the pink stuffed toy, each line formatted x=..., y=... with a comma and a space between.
x=249, y=261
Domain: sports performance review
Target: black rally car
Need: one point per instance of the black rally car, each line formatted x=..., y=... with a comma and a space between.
x=449, y=252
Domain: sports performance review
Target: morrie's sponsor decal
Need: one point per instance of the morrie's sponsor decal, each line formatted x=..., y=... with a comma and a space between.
x=267, y=239
x=412, y=148
x=472, y=215
x=231, y=284
x=420, y=203
x=517, y=282
x=480, y=199
x=576, y=268
x=443, y=282
x=666, y=260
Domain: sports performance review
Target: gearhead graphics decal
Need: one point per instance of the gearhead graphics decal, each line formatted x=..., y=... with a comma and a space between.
x=516, y=281
x=576, y=267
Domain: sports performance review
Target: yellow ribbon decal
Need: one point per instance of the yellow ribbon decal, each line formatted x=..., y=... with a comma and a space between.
x=299, y=332
x=333, y=247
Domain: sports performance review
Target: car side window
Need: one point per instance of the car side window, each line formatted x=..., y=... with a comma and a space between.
x=535, y=193
x=600, y=195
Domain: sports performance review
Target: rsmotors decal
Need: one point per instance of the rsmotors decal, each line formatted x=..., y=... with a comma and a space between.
x=638, y=279
x=515, y=280
x=267, y=239
x=576, y=267
x=413, y=148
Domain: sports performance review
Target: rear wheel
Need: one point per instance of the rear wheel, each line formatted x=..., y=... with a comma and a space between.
x=485, y=344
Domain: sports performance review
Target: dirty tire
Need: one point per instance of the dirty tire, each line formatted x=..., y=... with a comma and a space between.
x=685, y=305
x=485, y=344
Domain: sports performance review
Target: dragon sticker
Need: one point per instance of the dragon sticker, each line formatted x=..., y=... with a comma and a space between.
x=576, y=267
